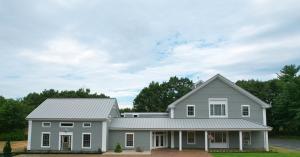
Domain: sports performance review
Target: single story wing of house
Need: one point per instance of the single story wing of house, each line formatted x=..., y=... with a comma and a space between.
x=215, y=114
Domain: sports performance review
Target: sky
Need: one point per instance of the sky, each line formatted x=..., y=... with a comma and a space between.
x=118, y=47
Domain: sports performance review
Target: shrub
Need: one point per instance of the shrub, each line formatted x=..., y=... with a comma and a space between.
x=139, y=149
x=118, y=148
x=7, y=150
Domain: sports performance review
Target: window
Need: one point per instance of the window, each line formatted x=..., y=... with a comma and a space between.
x=246, y=138
x=45, y=139
x=66, y=124
x=86, y=140
x=135, y=115
x=86, y=125
x=129, y=140
x=218, y=107
x=245, y=110
x=217, y=137
x=46, y=124
x=190, y=110
x=191, y=137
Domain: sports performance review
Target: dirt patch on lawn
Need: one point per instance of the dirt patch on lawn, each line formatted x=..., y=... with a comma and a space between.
x=17, y=146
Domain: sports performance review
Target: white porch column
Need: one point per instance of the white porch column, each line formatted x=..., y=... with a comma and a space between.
x=104, y=136
x=172, y=139
x=266, y=141
x=29, y=135
x=206, y=141
x=241, y=140
x=151, y=138
x=180, y=140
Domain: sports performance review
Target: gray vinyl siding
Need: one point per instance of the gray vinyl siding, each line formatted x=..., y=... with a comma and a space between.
x=141, y=139
x=37, y=129
x=218, y=89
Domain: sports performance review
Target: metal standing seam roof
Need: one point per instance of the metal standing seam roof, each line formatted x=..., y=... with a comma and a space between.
x=73, y=108
x=184, y=124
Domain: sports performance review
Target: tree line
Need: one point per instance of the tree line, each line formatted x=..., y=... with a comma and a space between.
x=282, y=92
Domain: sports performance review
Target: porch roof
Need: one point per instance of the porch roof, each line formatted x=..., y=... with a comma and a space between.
x=184, y=124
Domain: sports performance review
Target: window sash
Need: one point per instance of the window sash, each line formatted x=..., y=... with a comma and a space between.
x=247, y=138
x=245, y=110
x=66, y=124
x=45, y=139
x=191, y=137
x=86, y=140
x=218, y=137
x=190, y=110
x=129, y=140
x=217, y=109
x=46, y=124
x=87, y=124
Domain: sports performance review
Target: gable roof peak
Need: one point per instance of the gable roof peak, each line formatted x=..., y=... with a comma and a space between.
x=226, y=81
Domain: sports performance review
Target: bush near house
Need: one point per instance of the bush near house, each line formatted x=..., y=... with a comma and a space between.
x=7, y=150
x=118, y=148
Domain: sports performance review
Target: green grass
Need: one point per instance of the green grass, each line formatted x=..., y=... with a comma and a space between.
x=277, y=152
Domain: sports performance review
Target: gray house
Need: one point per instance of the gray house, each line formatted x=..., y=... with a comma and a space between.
x=215, y=114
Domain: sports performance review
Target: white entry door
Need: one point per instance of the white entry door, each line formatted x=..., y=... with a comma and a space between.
x=218, y=139
x=159, y=139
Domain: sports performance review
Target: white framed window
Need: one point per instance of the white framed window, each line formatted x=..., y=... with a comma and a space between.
x=218, y=137
x=66, y=124
x=218, y=107
x=247, y=138
x=86, y=140
x=129, y=139
x=86, y=124
x=45, y=140
x=191, y=137
x=46, y=124
x=245, y=110
x=190, y=110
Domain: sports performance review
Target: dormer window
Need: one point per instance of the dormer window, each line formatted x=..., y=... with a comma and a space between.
x=218, y=108
x=190, y=110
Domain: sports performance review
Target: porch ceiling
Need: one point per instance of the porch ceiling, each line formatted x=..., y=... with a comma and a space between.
x=184, y=124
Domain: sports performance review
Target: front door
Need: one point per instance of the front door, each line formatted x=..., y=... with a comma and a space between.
x=66, y=142
x=159, y=139
x=218, y=139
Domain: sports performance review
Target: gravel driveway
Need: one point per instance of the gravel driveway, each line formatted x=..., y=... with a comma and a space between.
x=285, y=143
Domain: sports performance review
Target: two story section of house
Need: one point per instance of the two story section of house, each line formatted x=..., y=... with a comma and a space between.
x=216, y=114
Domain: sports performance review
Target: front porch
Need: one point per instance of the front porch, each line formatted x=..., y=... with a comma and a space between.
x=234, y=139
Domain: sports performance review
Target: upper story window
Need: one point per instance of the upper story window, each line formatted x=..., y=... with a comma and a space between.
x=135, y=115
x=190, y=110
x=218, y=107
x=46, y=124
x=66, y=124
x=245, y=109
x=86, y=124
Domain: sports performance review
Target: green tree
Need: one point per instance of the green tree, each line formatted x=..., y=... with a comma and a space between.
x=156, y=97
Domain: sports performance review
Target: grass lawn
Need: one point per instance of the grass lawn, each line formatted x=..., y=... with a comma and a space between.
x=17, y=146
x=278, y=152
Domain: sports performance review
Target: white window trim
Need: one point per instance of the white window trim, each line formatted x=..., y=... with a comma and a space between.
x=250, y=138
x=86, y=133
x=43, y=125
x=43, y=133
x=214, y=101
x=66, y=126
x=129, y=133
x=187, y=111
x=187, y=137
x=86, y=126
x=248, y=110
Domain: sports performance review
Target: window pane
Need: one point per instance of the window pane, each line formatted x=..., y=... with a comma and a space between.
x=46, y=139
x=66, y=124
x=129, y=141
x=217, y=109
x=86, y=140
x=191, y=136
x=86, y=124
x=190, y=110
x=245, y=110
x=211, y=109
x=223, y=110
